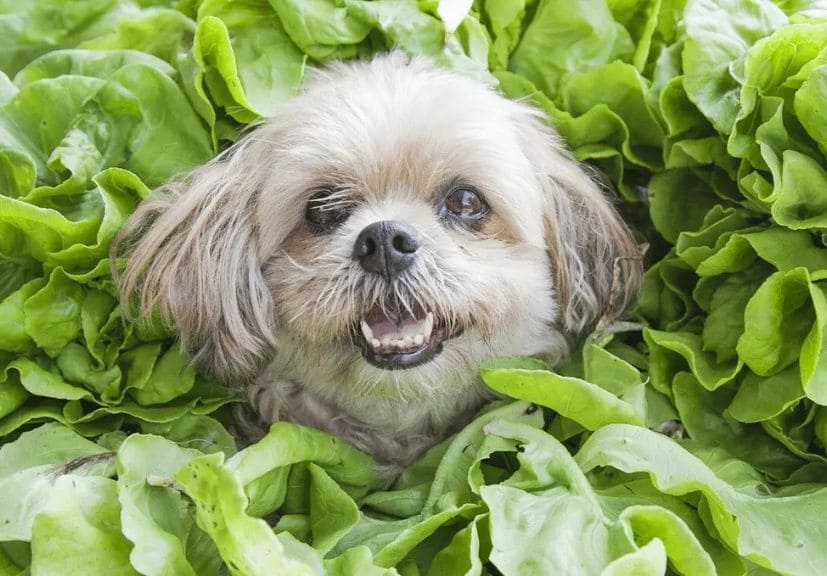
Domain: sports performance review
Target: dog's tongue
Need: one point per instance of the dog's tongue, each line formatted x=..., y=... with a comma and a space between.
x=402, y=331
x=388, y=326
x=383, y=324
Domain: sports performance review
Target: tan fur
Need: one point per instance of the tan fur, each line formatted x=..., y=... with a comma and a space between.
x=267, y=303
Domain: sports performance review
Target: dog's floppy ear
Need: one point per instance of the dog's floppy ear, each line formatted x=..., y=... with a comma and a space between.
x=597, y=266
x=193, y=256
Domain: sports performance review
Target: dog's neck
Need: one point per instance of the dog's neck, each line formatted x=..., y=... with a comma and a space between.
x=394, y=421
x=393, y=433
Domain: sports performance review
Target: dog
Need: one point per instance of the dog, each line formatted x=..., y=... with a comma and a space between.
x=352, y=261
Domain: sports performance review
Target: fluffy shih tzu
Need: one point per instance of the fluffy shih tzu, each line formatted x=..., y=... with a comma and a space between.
x=353, y=261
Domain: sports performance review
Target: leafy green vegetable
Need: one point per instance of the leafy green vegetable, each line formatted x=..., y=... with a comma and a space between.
x=78, y=530
x=29, y=468
x=154, y=518
x=576, y=399
x=707, y=117
x=246, y=544
x=788, y=526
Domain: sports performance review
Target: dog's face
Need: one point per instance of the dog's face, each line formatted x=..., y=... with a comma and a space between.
x=392, y=228
x=414, y=243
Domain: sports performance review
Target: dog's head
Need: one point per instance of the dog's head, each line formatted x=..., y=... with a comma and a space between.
x=391, y=228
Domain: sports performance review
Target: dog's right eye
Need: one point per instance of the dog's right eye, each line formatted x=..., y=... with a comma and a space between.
x=326, y=210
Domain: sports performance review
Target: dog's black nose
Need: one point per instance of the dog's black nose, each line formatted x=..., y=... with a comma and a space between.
x=386, y=247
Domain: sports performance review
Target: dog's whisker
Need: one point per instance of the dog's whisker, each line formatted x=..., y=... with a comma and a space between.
x=295, y=264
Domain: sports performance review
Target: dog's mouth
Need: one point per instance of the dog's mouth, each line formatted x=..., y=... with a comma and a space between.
x=401, y=339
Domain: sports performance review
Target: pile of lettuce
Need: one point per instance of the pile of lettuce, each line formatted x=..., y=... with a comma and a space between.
x=693, y=445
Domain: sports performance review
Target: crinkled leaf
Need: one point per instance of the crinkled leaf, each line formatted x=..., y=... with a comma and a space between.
x=559, y=41
x=248, y=62
x=154, y=518
x=322, y=29
x=246, y=544
x=689, y=347
x=576, y=399
x=30, y=468
x=776, y=321
x=79, y=532
x=786, y=525
x=719, y=34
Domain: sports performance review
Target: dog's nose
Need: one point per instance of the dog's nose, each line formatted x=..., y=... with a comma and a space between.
x=386, y=247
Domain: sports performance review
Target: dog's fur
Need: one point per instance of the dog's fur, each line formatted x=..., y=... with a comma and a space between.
x=264, y=301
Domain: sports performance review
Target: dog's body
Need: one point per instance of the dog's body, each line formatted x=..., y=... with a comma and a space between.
x=353, y=261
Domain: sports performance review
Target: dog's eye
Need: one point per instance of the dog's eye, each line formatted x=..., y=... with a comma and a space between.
x=465, y=204
x=326, y=210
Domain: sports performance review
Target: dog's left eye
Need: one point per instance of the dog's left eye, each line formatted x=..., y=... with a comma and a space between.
x=465, y=204
x=326, y=210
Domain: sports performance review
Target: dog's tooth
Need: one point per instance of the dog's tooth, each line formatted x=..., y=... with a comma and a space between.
x=374, y=342
x=408, y=340
x=386, y=342
x=429, y=324
x=418, y=340
x=366, y=331
x=400, y=344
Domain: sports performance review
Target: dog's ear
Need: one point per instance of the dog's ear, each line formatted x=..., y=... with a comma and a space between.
x=597, y=266
x=193, y=256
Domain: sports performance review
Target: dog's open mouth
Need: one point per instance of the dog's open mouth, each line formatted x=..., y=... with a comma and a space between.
x=401, y=339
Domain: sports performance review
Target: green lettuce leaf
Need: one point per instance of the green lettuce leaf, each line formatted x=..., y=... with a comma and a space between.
x=78, y=530
x=116, y=456
x=30, y=467
x=784, y=540
x=246, y=544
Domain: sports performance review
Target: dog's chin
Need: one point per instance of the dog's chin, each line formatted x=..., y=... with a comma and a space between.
x=401, y=339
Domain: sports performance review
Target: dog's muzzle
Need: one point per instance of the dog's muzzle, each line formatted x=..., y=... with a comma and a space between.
x=396, y=336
